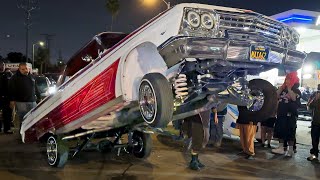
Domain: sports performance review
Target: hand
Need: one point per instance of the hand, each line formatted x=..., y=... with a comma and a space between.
x=12, y=104
x=290, y=86
x=283, y=86
x=216, y=120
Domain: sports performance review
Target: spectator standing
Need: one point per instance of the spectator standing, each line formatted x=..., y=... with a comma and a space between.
x=216, y=126
x=315, y=127
x=247, y=134
x=286, y=124
x=23, y=91
x=267, y=128
x=197, y=128
x=313, y=95
x=4, y=100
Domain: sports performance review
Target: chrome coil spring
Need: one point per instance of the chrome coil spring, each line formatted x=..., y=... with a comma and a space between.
x=180, y=86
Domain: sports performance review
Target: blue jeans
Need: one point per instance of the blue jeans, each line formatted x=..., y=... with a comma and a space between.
x=216, y=130
x=23, y=108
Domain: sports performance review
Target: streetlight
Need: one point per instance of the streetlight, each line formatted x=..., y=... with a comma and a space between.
x=151, y=2
x=167, y=3
x=40, y=43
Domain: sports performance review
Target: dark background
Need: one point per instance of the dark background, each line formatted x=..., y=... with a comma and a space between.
x=74, y=22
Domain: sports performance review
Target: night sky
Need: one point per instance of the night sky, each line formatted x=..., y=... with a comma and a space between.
x=74, y=22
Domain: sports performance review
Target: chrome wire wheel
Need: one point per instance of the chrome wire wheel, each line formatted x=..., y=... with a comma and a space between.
x=137, y=144
x=257, y=100
x=52, y=150
x=147, y=101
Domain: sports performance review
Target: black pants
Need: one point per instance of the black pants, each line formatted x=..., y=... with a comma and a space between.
x=285, y=144
x=197, y=128
x=7, y=116
x=315, y=135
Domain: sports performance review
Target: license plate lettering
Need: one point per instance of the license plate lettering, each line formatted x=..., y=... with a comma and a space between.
x=259, y=53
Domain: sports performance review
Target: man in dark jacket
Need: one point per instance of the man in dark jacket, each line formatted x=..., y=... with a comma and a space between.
x=23, y=91
x=315, y=127
x=4, y=101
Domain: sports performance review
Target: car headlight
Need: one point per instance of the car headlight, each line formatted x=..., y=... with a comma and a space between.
x=286, y=35
x=193, y=19
x=207, y=21
x=295, y=38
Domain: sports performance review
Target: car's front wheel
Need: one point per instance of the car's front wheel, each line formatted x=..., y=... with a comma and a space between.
x=264, y=101
x=155, y=100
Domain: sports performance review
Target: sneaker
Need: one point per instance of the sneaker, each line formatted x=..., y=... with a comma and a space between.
x=312, y=158
x=8, y=132
x=217, y=144
x=250, y=157
x=241, y=153
x=289, y=153
x=278, y=150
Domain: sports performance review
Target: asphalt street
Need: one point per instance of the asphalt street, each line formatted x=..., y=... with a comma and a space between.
x=168, y=160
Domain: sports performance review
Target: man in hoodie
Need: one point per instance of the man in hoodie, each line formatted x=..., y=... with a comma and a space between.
x=23, y=91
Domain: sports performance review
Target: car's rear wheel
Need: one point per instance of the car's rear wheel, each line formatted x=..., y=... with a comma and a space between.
x=142, y=144
x=155, y=100
x=264, y=103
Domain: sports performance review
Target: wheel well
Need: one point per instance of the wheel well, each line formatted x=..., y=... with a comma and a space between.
x=45, y=137
x=143, y=59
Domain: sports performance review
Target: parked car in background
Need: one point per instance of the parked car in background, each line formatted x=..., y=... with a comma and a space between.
x=230, y=122
x=53, y=77
x=44, y=86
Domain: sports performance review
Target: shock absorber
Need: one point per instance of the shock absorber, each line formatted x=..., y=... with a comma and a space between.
x=180, y=86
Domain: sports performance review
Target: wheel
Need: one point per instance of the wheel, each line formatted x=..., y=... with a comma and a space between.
x=155, y=100
x=142, y=144
x=265, y=101
x=104, y=146
x=57, y=152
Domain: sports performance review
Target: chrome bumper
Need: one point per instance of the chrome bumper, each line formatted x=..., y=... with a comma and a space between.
x=178, y=48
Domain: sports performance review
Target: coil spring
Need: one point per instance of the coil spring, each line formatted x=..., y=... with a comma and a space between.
x=180, y=86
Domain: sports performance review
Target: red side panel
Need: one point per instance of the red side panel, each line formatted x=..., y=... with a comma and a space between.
x=94, y=94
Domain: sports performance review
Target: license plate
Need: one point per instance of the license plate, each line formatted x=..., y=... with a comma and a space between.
x=259, y=53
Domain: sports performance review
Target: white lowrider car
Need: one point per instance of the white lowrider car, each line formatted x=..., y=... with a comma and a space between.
x=187, y=59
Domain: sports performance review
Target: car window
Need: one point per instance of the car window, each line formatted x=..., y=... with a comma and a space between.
x=91, y=51
x=42, y=84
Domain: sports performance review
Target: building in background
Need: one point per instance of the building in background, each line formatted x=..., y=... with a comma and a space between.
x=307, y=23
x=15, y=66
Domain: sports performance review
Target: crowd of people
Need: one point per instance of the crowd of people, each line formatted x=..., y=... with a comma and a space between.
x=281, y=125
x=18, y=92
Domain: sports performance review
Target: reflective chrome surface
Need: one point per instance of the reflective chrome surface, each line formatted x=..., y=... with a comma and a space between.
x=147, y=101
x=52, y=150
